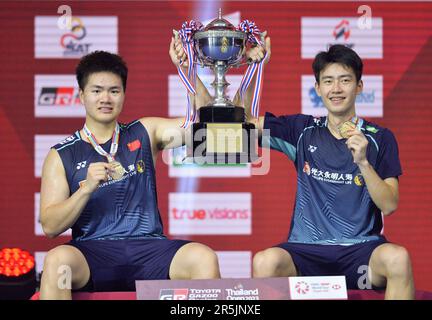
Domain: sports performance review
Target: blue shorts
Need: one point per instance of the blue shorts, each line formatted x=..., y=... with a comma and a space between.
x=116, y=264
x=333, y=260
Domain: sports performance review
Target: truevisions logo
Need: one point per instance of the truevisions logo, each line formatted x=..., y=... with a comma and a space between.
x=210, y=213
x=213, y=214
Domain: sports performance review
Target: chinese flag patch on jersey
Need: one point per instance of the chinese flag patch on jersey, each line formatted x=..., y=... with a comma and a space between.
x=134, y=145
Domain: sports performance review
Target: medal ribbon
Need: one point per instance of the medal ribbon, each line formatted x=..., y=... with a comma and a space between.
x=357, y=122
x=98, y=148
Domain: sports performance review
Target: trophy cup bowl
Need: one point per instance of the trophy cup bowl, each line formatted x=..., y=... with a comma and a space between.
x=220, y=45
x=222, y=135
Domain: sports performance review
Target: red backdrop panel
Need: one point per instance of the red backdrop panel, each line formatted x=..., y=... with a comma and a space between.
x=144, y=30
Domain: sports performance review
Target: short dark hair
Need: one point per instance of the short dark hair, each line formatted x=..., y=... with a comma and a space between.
x=100, y=61
x=341, y=54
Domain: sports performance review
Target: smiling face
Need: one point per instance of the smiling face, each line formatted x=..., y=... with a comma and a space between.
x=338, y=89
x=103, y=97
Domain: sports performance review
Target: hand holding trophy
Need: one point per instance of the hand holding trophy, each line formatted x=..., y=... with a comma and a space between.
x=222, y=134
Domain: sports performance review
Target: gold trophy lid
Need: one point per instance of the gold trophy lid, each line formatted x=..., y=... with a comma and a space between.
x=220, y=24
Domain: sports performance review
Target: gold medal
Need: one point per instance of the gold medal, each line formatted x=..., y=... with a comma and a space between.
x=116, y=171
x=345, y=127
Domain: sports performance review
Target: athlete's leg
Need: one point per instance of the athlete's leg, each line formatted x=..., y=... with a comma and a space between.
x=273, y=262
x=64, y=268
x=390, y=265
x=194, y=261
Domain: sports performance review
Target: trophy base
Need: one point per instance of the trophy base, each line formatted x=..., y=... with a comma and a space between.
x=223, y=143
x=221, y=114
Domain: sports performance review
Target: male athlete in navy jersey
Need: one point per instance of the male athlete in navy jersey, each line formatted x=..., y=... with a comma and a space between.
x=101, y=183
x=347, y=181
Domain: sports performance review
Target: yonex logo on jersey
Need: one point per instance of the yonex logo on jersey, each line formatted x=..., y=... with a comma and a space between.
x=312, y=148
x=317, y=121
x=68, y=139
x=81, y=165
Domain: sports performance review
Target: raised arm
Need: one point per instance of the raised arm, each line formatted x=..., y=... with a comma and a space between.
x=177, y=54
x=167, y=132
x=255, y=54
x=384, y=192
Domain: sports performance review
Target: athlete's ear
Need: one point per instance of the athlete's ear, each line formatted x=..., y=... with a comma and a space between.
x=317, y=89
x=81, y=96
x=359, y=87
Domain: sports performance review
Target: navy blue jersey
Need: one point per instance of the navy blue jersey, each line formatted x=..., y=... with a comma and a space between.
x=332, y=204
x=118, y=209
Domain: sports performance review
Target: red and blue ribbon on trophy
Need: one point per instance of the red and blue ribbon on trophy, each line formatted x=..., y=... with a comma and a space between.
x=186, y=36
